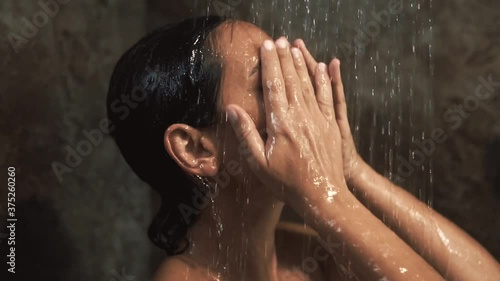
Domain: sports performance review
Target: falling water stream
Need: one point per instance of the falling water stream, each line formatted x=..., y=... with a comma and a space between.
x=385, y=50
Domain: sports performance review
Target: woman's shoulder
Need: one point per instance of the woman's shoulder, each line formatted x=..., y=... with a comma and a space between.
x=295, y=238
x=295, y=229
x=300, y=249
x=295, y=245
x=179, y=268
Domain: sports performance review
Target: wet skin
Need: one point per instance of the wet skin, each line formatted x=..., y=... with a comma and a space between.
x=239, y=46
x=306, y=159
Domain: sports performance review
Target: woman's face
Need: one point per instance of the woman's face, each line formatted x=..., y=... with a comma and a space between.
x=238, y=45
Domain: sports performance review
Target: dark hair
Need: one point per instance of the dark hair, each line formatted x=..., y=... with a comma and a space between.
x=170, y=76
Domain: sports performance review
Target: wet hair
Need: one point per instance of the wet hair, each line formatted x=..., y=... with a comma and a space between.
x=169, y=76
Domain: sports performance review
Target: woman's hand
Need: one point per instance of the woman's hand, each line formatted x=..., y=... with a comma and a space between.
x=301, y=161
x=301, y=157
x=352, y=160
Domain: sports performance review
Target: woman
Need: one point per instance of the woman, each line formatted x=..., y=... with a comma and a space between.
x=228, y=126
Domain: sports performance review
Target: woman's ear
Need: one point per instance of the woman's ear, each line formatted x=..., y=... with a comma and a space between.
x=193, y=150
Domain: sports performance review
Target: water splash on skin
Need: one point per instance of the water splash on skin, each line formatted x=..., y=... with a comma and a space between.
x=320, y=182
x=365, y=236
x=331, y=194
x=269, y=84
x=447, y=244
x=273, y=143
x=274, y=121
x=331, y=223
x=314, y=209
x=443, y=237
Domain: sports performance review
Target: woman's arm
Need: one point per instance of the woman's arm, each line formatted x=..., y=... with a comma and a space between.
x=445, y=246
x=366, y=247
x=295, y=163
x=448, y=248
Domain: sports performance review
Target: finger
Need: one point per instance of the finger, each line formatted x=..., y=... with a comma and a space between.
x=248, y=136
x=310, y=61
x=324, y=96
x=338, y=91
x=305, y=79
x=292, y=82
x=275, y=100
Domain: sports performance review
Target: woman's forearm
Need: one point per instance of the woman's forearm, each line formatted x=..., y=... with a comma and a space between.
x=449, y=249
x=372, y=250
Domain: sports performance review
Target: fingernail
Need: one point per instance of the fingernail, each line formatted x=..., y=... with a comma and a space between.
x=301, y=43
x=268, y=45
x=232, y=115
x=322, y=67
x=282, y=43
x=296, y=53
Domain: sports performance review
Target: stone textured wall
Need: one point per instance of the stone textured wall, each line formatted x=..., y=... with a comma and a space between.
x=91, y=223
x=467, y=178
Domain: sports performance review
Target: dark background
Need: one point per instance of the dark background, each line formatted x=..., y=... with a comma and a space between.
x=92, y=224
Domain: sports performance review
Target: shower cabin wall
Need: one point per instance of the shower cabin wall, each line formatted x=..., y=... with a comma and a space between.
x=88, y=221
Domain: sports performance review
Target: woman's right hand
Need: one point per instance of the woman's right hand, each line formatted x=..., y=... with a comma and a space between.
x=295, y=161
x=353, y=163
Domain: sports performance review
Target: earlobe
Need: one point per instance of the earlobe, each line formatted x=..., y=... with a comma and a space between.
x=193, y=150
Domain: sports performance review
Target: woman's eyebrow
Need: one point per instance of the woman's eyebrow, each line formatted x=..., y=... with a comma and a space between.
x=256, y=68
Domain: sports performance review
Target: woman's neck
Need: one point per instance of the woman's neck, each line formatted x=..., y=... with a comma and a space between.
x=236, y=239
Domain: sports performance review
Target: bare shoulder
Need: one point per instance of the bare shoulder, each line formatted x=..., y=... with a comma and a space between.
x=296, y=247
x=294, y=242
x=179, y=268
x=295, y=229
x=296, y=238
